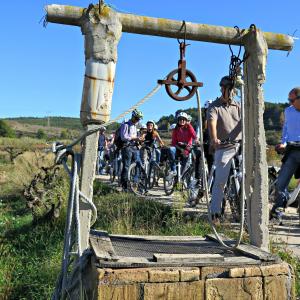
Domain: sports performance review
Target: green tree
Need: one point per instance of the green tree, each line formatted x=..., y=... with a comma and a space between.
x=6, y=130
x=41, y=134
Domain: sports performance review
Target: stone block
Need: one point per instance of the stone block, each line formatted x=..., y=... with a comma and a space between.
x=276, y=288
x=119, y=292
x=174, y=291
x=234, y=288
x=236, y=272
x=252, y=272
x=120, y=276
x=163, y=275
x=190, y=274
x=212, y=272
x=274, y=270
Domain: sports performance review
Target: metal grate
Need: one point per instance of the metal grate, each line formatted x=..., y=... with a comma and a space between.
x=145, y=248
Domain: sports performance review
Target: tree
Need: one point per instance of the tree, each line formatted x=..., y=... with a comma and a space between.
x=41, y=134
x=6, y=130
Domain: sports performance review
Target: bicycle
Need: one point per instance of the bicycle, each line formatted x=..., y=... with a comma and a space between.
x=232, y=190
x=137, y=175
x=292, y=197
x=184, y=177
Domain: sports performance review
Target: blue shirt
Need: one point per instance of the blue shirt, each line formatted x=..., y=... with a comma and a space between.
x=128, y=131
x=291, y=127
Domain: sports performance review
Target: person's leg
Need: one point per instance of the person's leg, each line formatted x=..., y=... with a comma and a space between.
x=222, y=162
x=172, y=155
x=286, y=173
x=198, y=164
x=157, y=154
x=126, y=159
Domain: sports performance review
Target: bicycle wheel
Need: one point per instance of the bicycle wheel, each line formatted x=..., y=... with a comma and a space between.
x=272, y=190
x=169, y=181
x=189, y=188
x=153, y=176
x=137, y=179
x=233, y=197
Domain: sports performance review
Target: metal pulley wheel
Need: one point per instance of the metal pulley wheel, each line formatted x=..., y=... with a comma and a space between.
x=181, y=84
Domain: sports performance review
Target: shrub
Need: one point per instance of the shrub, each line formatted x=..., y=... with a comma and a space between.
x=41, y=134
x=6, y=130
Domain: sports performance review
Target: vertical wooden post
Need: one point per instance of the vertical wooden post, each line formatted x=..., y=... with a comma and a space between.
x=102, y=34
x=255, y=148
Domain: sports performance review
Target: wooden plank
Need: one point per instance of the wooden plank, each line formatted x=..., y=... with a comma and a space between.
x=186, y=258
x=159, y=238
x=248, y=250
x=102, y=246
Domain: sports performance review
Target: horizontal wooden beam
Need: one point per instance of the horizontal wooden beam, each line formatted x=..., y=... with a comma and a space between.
x=71, y=15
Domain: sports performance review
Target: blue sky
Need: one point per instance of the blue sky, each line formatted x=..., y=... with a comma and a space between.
x=42, y=69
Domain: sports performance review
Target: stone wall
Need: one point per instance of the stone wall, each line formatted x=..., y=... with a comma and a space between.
x=252, y=282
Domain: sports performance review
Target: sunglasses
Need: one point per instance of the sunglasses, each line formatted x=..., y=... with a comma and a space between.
x=293, y=100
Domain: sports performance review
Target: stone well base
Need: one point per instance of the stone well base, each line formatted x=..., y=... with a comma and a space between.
x=252, y=282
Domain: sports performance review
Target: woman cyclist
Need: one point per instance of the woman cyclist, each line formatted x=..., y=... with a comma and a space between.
x=151, y=137
x=182, y=139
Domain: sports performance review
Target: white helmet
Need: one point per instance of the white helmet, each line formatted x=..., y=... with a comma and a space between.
x=143, y=126
x=182, y=115
x=189, y=118
x=102, y=128
x=207, y=104
x=151, y=121
x=172, y=126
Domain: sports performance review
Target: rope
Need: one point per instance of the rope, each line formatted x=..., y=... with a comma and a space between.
x=73, y=212
x=205, y=170
x=139, y=103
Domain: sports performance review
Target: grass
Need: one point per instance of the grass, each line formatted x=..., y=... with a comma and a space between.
x=30, y=253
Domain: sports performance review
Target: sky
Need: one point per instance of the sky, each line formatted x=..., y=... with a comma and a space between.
x=42, y=69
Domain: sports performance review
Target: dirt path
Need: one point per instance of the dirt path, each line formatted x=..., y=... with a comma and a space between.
x=286, y=236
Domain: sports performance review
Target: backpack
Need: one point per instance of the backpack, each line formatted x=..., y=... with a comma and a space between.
x=118, y=141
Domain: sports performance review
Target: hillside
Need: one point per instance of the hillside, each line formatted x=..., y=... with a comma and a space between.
x=273, y=118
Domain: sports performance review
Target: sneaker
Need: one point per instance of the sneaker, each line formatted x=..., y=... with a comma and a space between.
x=276, y=216
x=171, y=175
x=216, y=219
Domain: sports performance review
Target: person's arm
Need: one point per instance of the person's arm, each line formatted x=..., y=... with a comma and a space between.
x=212, y=127
x=125, y=137
x=284, y=131
x=159, y=139
x=174, y=138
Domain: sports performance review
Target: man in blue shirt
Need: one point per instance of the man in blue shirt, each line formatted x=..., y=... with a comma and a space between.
x=128, y=133
x=290, y=144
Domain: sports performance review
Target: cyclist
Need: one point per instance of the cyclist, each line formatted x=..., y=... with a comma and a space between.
x=182, y=139
x=151, y=137
x=290, y=143
x=129, y=138
x=102, y=144
x=224, y=123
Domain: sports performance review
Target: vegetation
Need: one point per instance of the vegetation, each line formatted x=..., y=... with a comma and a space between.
x=31, y=246
x=6, y=130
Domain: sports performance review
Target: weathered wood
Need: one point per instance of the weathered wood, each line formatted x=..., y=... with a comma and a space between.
x=158, y=237
x=72, y=15
x=256, y=167
x=187, y=258
x=102, y=246
x=248, y=250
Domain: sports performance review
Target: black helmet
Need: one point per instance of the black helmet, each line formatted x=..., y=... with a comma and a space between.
x=227, y=82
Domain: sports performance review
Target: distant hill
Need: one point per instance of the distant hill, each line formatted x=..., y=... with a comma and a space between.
x=273, y=119
x=58, y=122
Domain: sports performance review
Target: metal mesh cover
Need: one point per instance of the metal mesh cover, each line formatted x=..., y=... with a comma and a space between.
x=145, y=248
